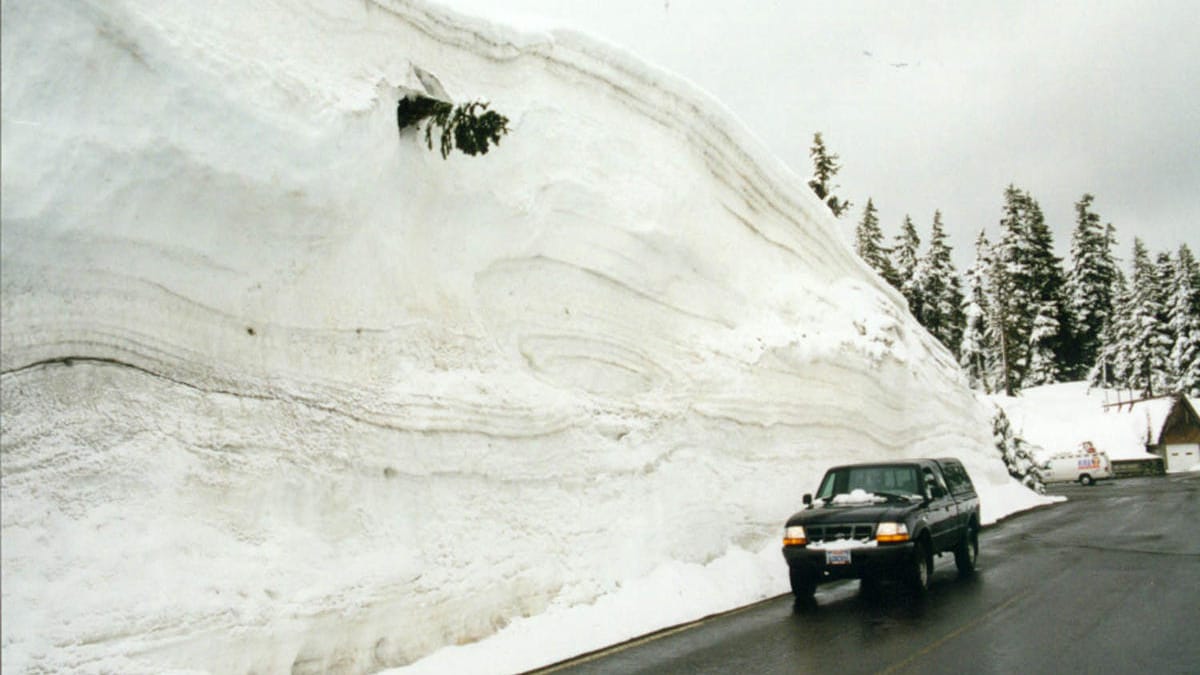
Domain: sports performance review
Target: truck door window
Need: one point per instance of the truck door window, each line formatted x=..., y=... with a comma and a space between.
x=931, y=480
x=956, y=477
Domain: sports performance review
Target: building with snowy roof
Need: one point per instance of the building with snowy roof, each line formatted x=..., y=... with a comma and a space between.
x=1167, y=426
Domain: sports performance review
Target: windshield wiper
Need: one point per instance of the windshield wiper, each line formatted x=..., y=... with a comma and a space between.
x=895, y=495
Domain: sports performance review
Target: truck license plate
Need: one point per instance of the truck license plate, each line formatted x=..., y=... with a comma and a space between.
x=837, y=557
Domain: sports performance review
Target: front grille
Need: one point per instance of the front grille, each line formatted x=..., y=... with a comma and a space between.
x=861, y=531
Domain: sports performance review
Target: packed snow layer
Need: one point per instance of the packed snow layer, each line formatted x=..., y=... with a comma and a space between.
x=1061, y=417
x=285, y=390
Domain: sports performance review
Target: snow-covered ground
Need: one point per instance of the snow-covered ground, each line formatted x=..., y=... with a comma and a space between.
x=1061, y=417
x=284, y=390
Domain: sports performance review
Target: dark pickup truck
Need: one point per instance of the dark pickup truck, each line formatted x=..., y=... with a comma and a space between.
x=875, y=521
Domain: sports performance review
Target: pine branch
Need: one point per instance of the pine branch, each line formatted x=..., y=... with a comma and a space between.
x=470, y=127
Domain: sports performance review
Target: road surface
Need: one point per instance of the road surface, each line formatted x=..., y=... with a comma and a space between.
x=1108, y=582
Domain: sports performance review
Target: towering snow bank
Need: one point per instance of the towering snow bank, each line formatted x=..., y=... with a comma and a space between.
x=284, y=389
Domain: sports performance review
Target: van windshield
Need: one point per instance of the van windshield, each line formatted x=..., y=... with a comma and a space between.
x=893, y=479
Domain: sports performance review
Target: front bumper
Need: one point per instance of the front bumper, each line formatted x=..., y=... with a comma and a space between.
x=868, y=561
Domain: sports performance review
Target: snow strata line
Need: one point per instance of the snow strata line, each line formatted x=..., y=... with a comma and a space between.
x=608, y=279
x=602, y=652
x=69, y=361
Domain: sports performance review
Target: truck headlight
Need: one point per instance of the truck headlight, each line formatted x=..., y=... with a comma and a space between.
x=793, y=535
x=890, y=533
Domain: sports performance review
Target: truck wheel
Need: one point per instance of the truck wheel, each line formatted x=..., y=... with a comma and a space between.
x=803, y=586
x=967, y=552
x=1086, y=480
x=921, y=567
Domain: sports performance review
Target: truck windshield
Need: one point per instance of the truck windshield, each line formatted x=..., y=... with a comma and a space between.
x=881, y=480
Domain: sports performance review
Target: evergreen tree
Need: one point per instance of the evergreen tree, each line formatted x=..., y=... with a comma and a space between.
x=1105, y=372
x=1050, y=342
x=868, y=242
x=1010, y=295
x=1192, y=267
x=825, y=167
x=1026, y=284
x=1145, y=343
x=1043, y=365
x=1164, y=276
x=976, y=350
x=1183, y=309
x=1090, y=284
x=1110, y=368
x=941, y=290
x=1164, y=268
x=1015, y=452
x=905, y=262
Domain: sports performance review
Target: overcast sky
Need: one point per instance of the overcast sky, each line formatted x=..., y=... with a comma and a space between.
x=940, y=105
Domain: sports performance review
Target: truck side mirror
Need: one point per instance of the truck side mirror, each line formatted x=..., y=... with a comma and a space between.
x=937, y=491
x=807, y=499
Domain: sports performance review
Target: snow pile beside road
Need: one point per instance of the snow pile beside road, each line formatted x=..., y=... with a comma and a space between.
x=673, y=593
x=284, y=390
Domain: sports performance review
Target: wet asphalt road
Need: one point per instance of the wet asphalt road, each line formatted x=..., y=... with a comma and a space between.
x=1108, y=582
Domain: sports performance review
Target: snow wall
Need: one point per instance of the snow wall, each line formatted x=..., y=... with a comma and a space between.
x=284, y=390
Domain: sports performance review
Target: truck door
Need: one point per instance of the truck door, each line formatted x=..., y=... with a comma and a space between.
x=942, y=511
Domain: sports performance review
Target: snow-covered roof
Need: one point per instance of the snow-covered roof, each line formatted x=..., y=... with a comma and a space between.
x=1147, y=417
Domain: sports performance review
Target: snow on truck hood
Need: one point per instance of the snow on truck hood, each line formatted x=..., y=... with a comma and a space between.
x=858, y=496
x=283, y=389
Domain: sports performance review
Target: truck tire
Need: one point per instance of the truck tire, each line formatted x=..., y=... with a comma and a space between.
x=967, y=552
x=921, y=567
x=1086, y=480
x=803, y=586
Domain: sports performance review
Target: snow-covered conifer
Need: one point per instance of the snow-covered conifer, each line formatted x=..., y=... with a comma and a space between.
x=941, y=290
x=976, y=350
x=825, y=167
x=868, y=242
x=1183, y=310
x=1111, y=368
x=905, y=257
x=1026, y=284
x=1145, y=344
x=1043, y=365
x=1050, y=329
x=1015, y=452
x=1089, y=284
x=1010, y=295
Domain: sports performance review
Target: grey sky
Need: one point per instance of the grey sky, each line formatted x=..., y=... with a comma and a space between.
x=940, y=105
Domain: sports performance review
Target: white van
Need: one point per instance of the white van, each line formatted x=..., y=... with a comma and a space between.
x=1086, y=465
